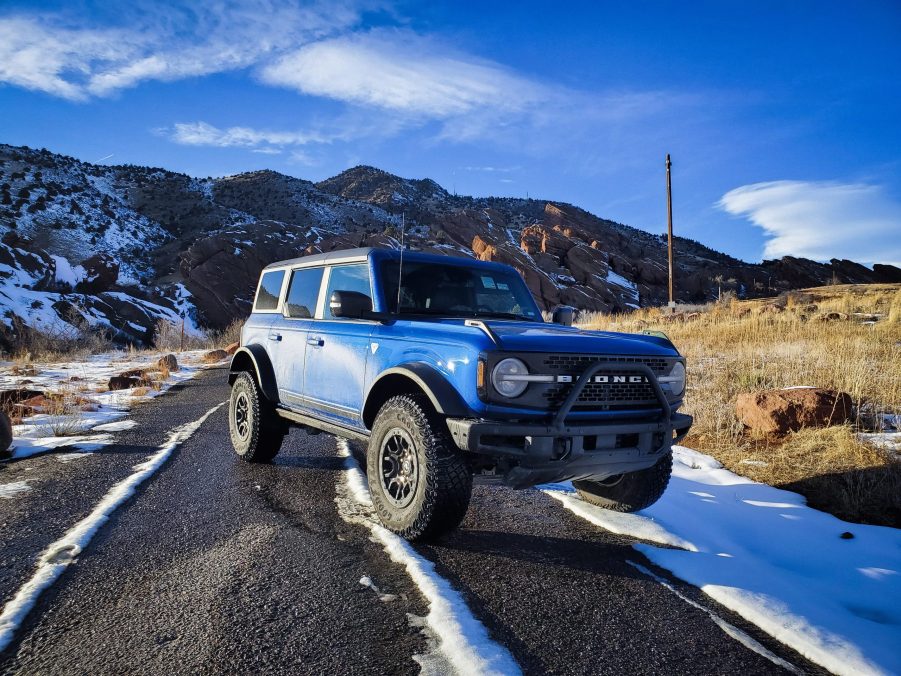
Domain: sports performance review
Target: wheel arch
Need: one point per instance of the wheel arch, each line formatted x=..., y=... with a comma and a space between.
x=253, y=359
x=415, y=378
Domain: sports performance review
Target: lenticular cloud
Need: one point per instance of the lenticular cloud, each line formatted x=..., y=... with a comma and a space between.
x=821, y=220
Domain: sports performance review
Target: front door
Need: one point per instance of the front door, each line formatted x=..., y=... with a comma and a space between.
x=337, y=349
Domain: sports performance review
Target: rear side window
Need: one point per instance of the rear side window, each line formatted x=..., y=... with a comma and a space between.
x=304, y=292
x=270, y=288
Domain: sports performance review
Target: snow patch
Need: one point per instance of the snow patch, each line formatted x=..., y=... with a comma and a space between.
x=462, y=640
x=767, y=556
x=11, y=490
x=58, y=555
x=119, y=426
x=66, y=274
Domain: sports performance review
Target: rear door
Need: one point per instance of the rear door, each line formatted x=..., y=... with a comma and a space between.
x=266, y=311
x=291, y=330
x=337, y=350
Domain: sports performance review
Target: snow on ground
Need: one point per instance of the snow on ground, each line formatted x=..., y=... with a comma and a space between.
x=46, y=431
x=58, y=555
x=781, y=565
x=462, y=641
x=12, y=489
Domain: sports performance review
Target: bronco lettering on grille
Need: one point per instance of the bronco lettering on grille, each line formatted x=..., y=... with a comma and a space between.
x=607, y=379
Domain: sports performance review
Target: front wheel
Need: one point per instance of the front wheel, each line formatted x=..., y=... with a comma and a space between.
x=630, y=492
x=419, y=482
x=255, y=428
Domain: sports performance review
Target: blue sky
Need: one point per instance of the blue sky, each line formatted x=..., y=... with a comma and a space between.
x=782, y=118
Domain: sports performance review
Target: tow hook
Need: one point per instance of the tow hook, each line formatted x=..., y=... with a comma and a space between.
x=563, y=447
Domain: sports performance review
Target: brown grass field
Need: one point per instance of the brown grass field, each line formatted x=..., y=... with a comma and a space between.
x=743, y=346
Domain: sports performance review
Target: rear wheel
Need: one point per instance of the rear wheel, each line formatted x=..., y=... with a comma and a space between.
x=630, y=492
x=419, y=482
x=256, y=430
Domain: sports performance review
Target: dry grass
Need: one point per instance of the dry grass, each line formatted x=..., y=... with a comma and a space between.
x=744, y=346
x=64, y=410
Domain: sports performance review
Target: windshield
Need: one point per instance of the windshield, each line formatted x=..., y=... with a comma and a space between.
x=457, y=291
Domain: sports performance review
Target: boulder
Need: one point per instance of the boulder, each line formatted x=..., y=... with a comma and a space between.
x=232, y=348
x=832, y=317
x=6, y=435
x=32, y=405
x=168, y=362
x=123, y=383
x=9, y=398
x=214, y=356
x=778, y=412
x=101, y=271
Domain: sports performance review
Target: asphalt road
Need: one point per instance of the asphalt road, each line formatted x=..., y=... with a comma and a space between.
x=219, y=566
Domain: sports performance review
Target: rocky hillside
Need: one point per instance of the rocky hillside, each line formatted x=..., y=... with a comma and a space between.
x=118, y=248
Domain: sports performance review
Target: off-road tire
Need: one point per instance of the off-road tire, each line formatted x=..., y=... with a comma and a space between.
x=263, y=431
x=633, y=492
x=444, y=485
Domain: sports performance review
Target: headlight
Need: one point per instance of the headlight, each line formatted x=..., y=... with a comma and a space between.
x=675, y=380
x=507, y=377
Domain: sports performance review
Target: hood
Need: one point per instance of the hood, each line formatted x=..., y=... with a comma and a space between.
x=517, y=336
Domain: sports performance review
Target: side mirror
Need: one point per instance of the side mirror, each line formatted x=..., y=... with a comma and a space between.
x=350, y=304
x=564, y=315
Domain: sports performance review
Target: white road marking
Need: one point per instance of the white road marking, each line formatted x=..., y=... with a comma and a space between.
x=58, y=555
x=463, y=641
x=730, y=629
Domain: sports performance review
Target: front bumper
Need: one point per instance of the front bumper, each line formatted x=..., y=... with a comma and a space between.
x=528, y=453
x=531, y=454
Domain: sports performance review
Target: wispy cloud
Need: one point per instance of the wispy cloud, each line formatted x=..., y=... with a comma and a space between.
x=45, y=53
x=401, y=71
x=491, y=170
x=821, y=220
x=260, y=140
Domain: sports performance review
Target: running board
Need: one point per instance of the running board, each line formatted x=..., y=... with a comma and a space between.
x=316, y=423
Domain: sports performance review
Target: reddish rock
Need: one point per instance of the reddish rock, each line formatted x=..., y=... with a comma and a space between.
x=168, y=363
x=777, y=412
x=123, y=383
x=6, y=434
x=32, y=405
x=232, y=348
x=539, y=238
x=588, y=266
x=214, y=356
x=9, y=398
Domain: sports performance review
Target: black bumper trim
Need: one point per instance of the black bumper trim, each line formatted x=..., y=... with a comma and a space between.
x=538, y=453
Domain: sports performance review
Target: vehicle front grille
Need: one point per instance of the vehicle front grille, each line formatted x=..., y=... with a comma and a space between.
x=603, y=396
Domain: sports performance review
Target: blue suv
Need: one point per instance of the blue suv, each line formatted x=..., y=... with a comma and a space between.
x=445, y=368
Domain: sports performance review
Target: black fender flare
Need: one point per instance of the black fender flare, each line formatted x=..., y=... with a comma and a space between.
x=444, y=396
x=260, y=364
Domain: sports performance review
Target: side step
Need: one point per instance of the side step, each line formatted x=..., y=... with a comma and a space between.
x=317, y=424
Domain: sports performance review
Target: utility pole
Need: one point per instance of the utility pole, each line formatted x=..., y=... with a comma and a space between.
x=669, y=228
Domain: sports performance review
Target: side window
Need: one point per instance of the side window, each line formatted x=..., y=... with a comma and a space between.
x=303, y=292
x=270, y=287
x=347, y=278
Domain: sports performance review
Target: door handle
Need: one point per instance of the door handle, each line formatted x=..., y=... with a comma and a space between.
x=275, y=336
x=316, y=341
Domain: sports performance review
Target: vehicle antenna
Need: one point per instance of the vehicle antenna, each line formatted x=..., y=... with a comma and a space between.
x=400, y=266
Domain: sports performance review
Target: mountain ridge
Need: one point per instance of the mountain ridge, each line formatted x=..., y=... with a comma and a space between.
x=121, y=247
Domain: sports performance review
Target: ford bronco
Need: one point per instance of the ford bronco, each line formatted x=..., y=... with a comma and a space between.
x=445, y=369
